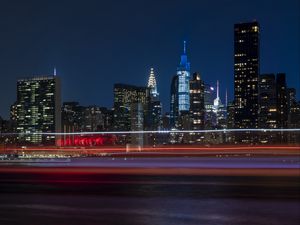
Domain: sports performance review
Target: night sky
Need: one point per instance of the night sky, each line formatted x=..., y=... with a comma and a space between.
x=94, y=44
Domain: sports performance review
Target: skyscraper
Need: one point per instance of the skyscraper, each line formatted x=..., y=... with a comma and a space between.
x=153, y=120
x=220, y=111
x=180, y=90
x=124, y=97
x=174, y=102
x=291, y=97
x=246, y=72
x=294, y=122
x=267, y=101
x=183, y=73
x=230, y=115
x=37, y=109
x=197, y=109
x=95, y=119
x=282, y=103
x=152, y=85
x=209, y=116
x=137, y=124
x=72, y=117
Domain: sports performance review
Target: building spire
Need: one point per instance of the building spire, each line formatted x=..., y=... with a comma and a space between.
x=217, y=88
x=54, y=71
x=152, y=83
x=184, y=64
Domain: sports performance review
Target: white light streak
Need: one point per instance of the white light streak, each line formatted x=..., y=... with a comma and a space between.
x=159, y=132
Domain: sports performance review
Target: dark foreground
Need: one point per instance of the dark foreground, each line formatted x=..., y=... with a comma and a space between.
x=46, y=195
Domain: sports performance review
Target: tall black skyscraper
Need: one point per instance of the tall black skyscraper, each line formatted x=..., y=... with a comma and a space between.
x=267, y=117
x=246, y=72
x=282, y=103
x=267, y=101
x=197, y=109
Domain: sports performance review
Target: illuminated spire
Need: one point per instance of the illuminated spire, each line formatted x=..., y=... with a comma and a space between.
x=184, y=64
x=152, y=83
x=217, y=101
x=54, y=71
x=217, y=89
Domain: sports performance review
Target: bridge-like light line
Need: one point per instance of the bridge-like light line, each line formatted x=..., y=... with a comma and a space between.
x=158, y=132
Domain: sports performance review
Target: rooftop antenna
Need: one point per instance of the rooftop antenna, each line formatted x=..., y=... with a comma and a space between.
x=54, y=71
x=184, y=47
x=217, y=88
x=226, y=98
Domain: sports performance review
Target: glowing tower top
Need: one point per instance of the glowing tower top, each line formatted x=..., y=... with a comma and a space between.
x=152, y=83
x=184, y=64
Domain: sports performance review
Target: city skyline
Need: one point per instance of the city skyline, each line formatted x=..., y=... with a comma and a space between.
x=150, y=112
x=285, y=53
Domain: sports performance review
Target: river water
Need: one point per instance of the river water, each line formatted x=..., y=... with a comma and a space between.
x=79, y=198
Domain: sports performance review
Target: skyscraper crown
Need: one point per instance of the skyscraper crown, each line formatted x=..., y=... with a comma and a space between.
x=152, y=83
x=184, y=64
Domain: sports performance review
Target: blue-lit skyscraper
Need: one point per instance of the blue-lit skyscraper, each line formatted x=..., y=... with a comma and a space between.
x=180, y=90
x=183, y=73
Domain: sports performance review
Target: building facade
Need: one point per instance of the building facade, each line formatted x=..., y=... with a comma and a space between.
x=282, y=100
x=174, y=111
x=72, y=115
x=267, y=101
x=209, y=117
x=137, y=124
x=267, y=117
x=197, y=108
x=37, y=109
x=124, y=97
x=246, y=73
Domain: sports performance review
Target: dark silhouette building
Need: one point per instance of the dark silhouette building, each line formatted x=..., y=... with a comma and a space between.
x=291, y=97
x=197, y=109
x=124, y=97
x=174, y=113
x=72, y=115
x=293, y=115
x=267, y=117
x=282, y=103
x=246, y=72
x=267, y=101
